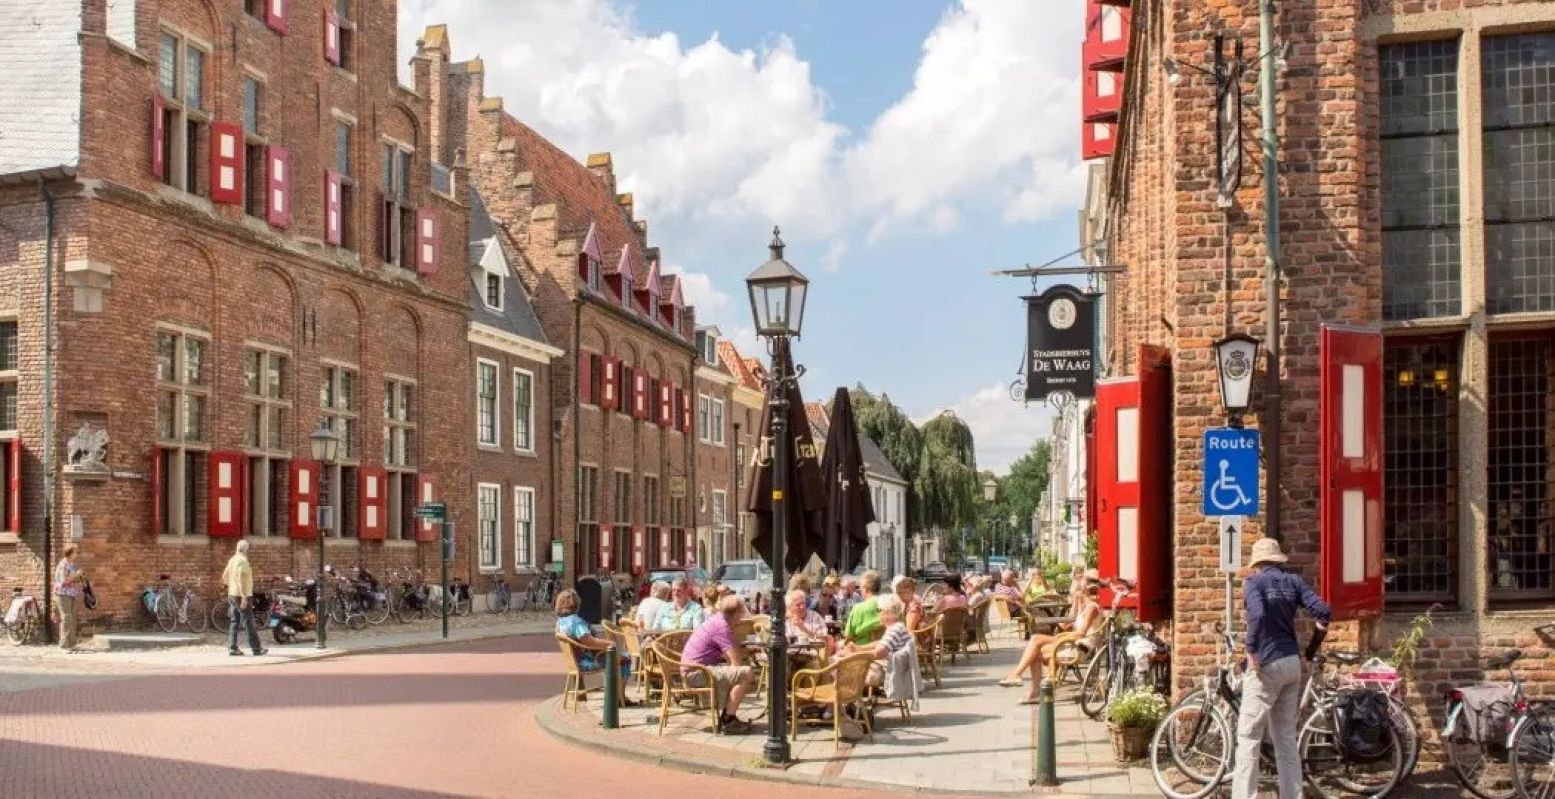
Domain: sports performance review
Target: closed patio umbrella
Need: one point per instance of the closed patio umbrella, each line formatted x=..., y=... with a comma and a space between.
x=849, y=508
x=806, y=494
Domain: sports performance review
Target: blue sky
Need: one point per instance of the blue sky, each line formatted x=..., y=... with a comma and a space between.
x=906, y=147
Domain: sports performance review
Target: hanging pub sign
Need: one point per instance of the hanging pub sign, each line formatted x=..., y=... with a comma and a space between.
x=1061, y=343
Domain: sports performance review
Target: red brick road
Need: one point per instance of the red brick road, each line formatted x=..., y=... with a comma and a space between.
x=446, y=721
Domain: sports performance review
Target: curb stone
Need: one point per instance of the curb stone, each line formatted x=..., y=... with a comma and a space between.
x=547, y=716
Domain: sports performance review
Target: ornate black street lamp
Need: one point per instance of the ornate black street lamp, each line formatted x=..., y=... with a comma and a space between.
x=777, y=294
x=325, y=444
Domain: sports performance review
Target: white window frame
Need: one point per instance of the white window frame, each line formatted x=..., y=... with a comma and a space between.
x=481, y=520
x=341, y=415
x=260, y=503
x=496, y=403
x=176, y=168
x=180, y=447
x=704, y=418
x=523, y=551
x=486, y=291
x=720, y=509
x=716, y=407
x=12, y=377
x=401, y=477
x=528, y=421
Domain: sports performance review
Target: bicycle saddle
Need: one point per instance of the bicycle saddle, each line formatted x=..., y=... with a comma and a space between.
x=1505, y=660
x=1347, y=658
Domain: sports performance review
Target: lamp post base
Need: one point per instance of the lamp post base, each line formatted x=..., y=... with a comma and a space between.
x=776, y=751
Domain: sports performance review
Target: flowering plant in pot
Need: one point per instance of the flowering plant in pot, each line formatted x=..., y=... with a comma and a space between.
x=1131, y=719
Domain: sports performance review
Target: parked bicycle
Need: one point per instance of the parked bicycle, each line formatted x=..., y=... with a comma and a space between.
x=500, y=598
x=1111, y=671
x=347, y=602
x=23, y=619
x=172, y=604
x=409, y=596
x=541, y=593
x=1498, y=742
x=221, y=613
x=1194, y=749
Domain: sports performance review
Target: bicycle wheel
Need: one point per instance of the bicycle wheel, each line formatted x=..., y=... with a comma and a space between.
x=406, y=609
x=221, y=615
x=1533, y=753
x=463, y=605
x=356, y=620
x=338, y=609
x=1331, y=775
x=1191, y=751
x=20, y=632
x=194, y=613
x=166, y=612
x=1095, y=685
x=497, y=601
x=1483, y=768
x=377, y=610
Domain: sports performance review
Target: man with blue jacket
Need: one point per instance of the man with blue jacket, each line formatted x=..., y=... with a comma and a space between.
x=1271, y=688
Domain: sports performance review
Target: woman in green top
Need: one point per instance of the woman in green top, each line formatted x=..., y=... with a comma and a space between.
x=863, y=625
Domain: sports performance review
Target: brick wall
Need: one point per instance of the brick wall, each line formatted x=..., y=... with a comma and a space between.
x=1195, y=272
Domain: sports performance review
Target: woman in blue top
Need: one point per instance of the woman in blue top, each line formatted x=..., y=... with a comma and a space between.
x=573, y=627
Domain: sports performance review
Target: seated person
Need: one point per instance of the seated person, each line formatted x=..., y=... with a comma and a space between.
x=1036, y=587
x=1009, y=590
x=954, y=595
x=906, y=589
x=800, y=623
x=571, y=626
x=825, y=601
x=1040, y=647
x=863, y=623
x=648, y=609
x=712, y=645
x=682, y=612
x=895, y=638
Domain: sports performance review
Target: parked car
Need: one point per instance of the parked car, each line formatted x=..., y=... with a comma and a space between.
x=747, y=577
x=934, y=571
x=698, y=576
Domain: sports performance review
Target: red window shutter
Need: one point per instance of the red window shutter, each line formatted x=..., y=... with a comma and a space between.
x=606, y=542
x=226, y=162
x=427, y=490
x=372, y=491
x=332, y=218
x=13, y=487
x=666, y=552
x=639, y=549
x=278, y=204
x=690, y=544
x=429, y=241
x=158, y=136
x=304, y=498
x=1350, y=462
x=666, y=404
x=583, y=267
x=275, y=15
x=612, y=392
x=156, y=491
x=331, y=36
x=224, y=489
x=585, y=378
x=639, y=395
x=685, y=411
x=1155, y=463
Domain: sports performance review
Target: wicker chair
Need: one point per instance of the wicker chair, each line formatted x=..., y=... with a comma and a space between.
x=575, y=692
x=977, y=625
x=838, y=686
x=930, y=648
x=952, y=632
x=651, y=675
x=632, y=642
x=1066, y=654
x=1000, y=613
x=677, y=687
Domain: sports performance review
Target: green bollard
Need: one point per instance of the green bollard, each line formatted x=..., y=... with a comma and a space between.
x=1047, y=759
x=612, y=689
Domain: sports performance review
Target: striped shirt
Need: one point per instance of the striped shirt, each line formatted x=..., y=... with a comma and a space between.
x=896, y=638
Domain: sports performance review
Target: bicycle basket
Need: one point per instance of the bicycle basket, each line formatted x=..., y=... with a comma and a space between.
x=1486, y=712
x=148, y=598
x=1360, y=719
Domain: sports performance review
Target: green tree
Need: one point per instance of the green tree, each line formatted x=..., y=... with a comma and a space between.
x=898, y=438
x=947, y=482
x=1022, y=489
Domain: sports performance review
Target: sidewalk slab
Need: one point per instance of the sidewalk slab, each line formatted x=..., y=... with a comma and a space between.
x=969, y=736
x=121, y=641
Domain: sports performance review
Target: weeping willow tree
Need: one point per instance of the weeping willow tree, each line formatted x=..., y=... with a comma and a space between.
x=946, y=482
x=899, y=439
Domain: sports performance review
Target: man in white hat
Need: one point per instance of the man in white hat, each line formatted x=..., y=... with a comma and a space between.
x=1271, y=690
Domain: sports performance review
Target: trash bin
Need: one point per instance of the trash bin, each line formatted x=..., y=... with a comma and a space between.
x=591, y=599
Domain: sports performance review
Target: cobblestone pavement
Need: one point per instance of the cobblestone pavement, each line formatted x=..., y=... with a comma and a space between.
x=446, y=720
x=27, y=667
x=969, y=734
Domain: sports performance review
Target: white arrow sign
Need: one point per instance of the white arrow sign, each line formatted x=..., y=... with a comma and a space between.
x=1230, y=544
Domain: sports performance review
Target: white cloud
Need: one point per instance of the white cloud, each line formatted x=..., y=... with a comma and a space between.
x=711, y=303
x=1003, y=428
x=702, y=132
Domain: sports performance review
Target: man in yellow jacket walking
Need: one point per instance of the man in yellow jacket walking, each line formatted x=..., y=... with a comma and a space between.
x=239, y=579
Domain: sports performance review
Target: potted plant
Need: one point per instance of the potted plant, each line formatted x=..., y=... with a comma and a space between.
x=1131, y=720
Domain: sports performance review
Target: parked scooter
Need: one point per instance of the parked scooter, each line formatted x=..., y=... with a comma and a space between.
x=293, y=610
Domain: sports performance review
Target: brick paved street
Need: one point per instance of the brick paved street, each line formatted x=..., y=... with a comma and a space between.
x=451, y=720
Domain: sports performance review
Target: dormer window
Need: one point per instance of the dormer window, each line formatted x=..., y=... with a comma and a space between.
x=593, y=267
x=710, y=347
x=494, y=291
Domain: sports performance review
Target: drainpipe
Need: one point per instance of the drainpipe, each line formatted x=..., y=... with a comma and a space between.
x=48, y=407
x=577, y=437
x=691, y=452
x=1271, y=228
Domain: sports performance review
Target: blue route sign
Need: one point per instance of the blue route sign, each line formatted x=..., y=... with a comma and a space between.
x=1230, y=472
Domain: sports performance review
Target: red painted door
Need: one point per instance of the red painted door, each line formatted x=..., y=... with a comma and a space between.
x=1117, y=482
x=1350, y=461
x=1154, y=542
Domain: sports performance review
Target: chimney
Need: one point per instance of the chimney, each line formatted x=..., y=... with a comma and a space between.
x=625, y=201
x=430, y=67
x=599, y=164
x=461, y=175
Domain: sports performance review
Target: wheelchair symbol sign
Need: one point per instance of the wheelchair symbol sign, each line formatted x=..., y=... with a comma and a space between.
x=1231, y=472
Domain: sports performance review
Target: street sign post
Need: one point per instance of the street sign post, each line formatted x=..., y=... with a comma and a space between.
x=1230, y=544
x=432, y=511
x=1230, y=472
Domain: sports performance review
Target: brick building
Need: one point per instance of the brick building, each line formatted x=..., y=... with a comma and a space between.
x=513, y=451
x=233, y=209
x=1419, y=317
x=749, y=396
x=715, y=452
x=624, y=396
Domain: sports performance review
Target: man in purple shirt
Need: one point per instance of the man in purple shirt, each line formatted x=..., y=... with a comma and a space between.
x=712, y=645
